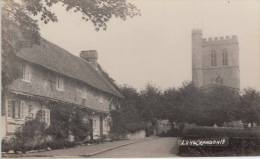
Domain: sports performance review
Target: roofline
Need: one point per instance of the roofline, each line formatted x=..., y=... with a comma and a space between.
x=106, y=92
x=111, y=82
x=67, y=52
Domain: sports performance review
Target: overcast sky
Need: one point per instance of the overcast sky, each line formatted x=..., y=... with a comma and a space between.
x=156, y=46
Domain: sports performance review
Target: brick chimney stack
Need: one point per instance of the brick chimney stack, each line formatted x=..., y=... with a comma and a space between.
x=91, y=57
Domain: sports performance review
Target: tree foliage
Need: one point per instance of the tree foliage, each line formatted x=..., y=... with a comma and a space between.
x=20, y=25
x=127, y=118
x=20, y=14
x=66, y=119
x=187, y=104
x=250, y=106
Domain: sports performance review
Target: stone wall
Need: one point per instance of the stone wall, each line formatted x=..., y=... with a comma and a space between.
x=137, y=135
x=203, y=73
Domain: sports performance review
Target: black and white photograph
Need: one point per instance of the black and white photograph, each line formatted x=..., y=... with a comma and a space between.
x=130, y=78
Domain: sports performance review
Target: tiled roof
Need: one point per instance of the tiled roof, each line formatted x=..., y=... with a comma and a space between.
x=56, y=59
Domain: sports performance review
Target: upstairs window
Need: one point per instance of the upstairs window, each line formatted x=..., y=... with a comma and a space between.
x=225, y=57
x=213, y=58
x=59, y=83
x=82, y=93
x=100, y=100
x=26, y=73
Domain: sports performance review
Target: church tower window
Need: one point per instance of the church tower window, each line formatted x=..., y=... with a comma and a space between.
x=225, y=57
x=213, y=58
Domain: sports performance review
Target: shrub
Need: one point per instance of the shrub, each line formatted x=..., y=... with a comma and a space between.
x=58, y=144
x=171, y=133
x=30, y=136
x=67, y=119
x=134, y=127
x=221, y=132
x=7, y=144
x=240, y=141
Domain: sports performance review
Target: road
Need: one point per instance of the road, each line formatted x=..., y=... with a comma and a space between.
x=158, y=147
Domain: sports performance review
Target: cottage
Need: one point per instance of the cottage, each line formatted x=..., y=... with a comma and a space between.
x=51, y=74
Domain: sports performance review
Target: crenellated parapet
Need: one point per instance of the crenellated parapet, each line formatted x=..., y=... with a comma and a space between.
x=220, y=40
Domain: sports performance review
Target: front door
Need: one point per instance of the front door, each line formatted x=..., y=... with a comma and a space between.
x=91, y=128
x=101, y=126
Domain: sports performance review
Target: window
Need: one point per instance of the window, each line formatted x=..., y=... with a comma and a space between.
x=15, y=109
x=44, y=116
x=59, y=83
x=225, y=57
x=213, y=58
x=83, y=93
x=26, y=73
x=100, y=100
x=30, y=113
x=94, y=123
x=219, y=80
x=106, y=124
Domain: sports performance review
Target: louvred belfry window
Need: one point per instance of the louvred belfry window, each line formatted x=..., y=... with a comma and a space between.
x=225, y=57
x=213, y=58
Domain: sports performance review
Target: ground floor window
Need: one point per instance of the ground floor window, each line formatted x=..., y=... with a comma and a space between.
x=15, y=109
x=44, y=116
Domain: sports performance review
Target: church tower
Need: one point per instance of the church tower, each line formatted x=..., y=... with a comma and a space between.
x=215, y=61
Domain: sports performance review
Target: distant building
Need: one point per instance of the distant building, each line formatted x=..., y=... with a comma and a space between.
x=51, y=75
x=163, y=126
x=215, y=61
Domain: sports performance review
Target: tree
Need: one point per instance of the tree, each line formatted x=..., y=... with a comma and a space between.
x=189, y=100
x=19, y=27
x=151, y=104
x=170, y=106
x=189, y=104
x=127, y=118
x=250, y=106
x=68, y=119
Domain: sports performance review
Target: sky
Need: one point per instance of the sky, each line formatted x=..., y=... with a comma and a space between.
x=155, y=47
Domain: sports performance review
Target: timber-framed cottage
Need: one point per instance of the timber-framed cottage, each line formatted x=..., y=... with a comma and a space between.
x=50, y=74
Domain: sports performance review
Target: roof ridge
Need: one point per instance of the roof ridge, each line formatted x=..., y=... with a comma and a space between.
x=109, y=79
x=107, y=82
x=100, y=75
x=91, y=68
x=89, y=75
x=59, y=47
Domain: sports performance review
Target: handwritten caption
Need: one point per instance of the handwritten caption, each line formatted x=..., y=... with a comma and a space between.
x=204, y=142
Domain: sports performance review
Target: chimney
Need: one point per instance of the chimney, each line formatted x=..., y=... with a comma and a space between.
x=91, y=57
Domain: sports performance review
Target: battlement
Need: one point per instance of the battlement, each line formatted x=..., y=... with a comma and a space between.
x=220, y=40
x=196, y=31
